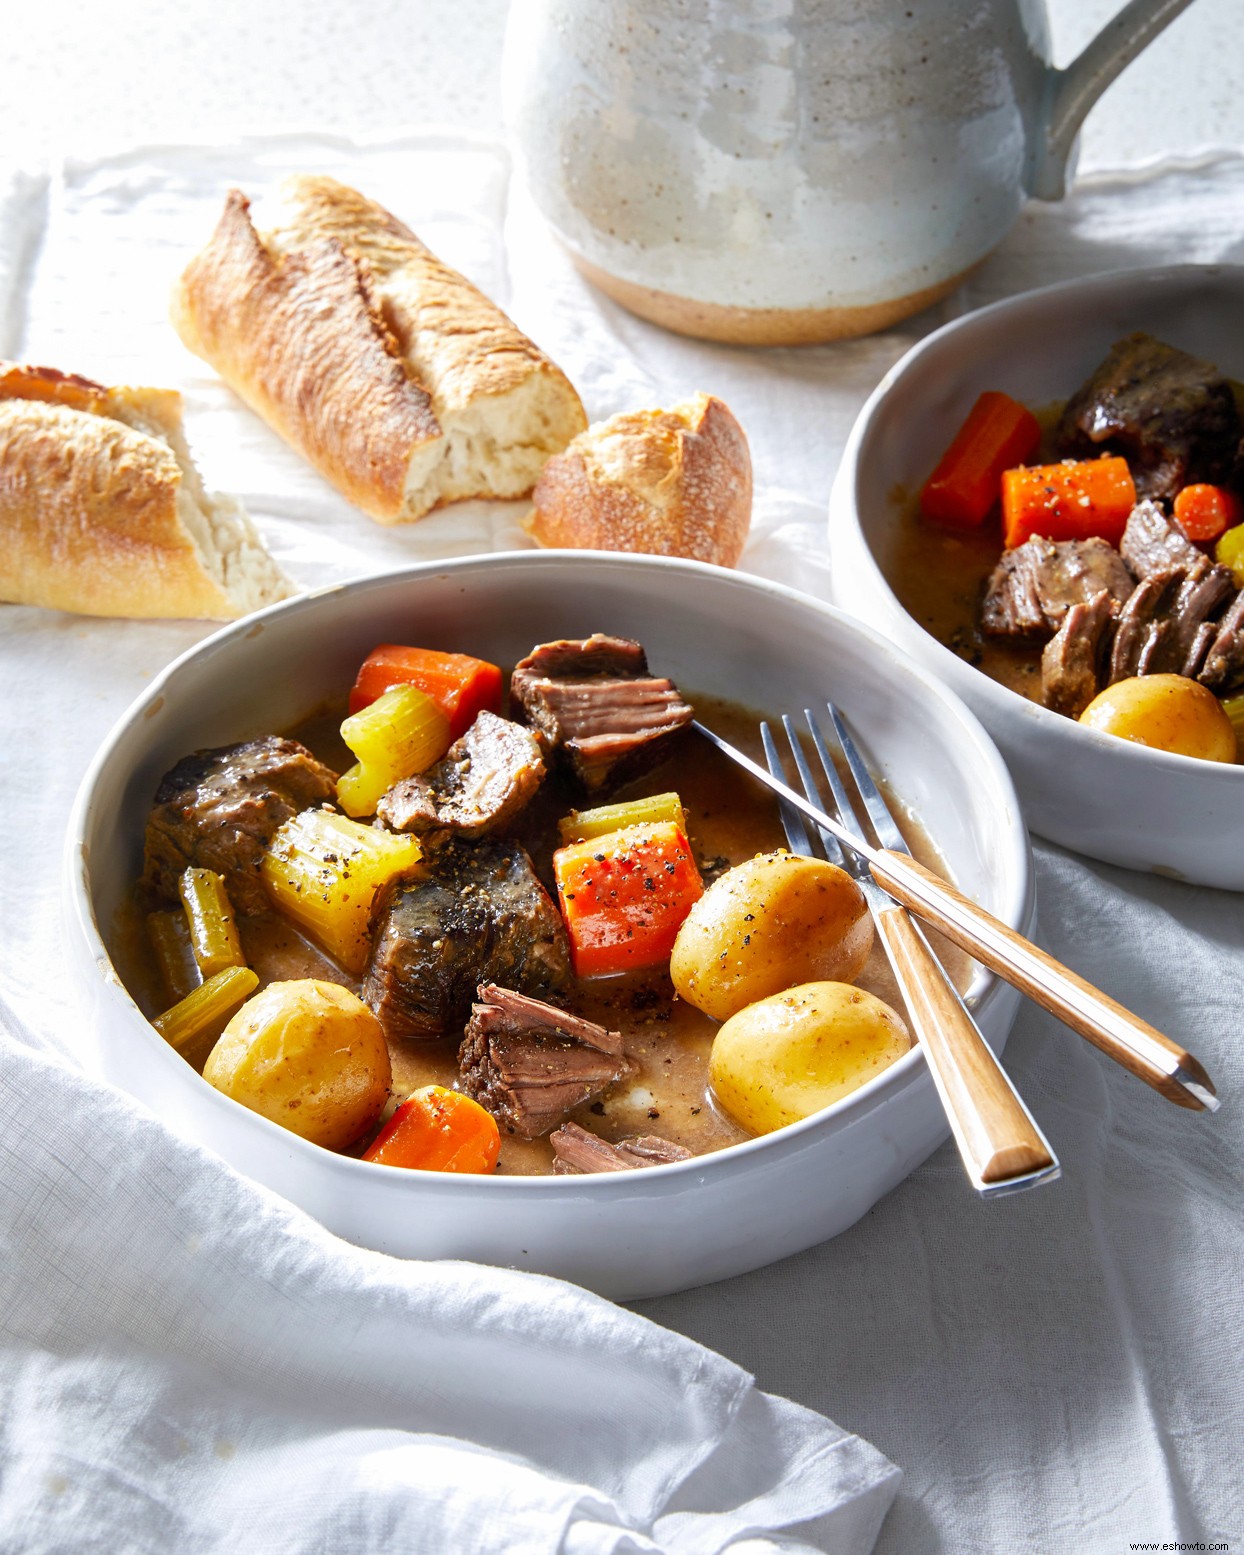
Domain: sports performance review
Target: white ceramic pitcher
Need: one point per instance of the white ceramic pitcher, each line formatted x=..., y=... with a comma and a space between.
x=787, y=171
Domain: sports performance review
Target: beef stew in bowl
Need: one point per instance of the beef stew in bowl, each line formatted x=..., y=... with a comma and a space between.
x=1110, y=798
x=625, y=1232
x=465, y=920
x=1114, y=543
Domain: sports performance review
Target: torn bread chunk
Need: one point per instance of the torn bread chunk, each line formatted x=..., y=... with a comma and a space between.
x=102, y=511
x=393, y=375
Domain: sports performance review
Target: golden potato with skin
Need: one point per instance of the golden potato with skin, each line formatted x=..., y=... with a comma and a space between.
x=791, y=1055
x=1167, y=713
x=309, y=1055
x=773, y=921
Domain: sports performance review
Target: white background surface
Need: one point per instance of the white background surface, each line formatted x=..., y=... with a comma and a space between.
x=82, y=76
x=1030, y=1364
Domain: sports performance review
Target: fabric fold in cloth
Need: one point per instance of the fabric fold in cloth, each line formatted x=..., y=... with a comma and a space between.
x=186, y=1362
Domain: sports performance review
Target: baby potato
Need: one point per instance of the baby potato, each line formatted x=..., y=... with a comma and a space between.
x=790, y=1055
x=309, y=1055
x=1166, y=712
x=776, y=920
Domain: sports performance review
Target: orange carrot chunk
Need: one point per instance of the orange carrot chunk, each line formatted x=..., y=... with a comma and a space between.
x=998, y=434
x=625, y=895
x=1075, y=500
x=438, y=1130
x=460, y=685
x=1206, y=512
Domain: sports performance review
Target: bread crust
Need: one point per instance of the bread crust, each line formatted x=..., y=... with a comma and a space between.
x=93, y=499
x=388, y=370
x=300, y=338
x=674, y=482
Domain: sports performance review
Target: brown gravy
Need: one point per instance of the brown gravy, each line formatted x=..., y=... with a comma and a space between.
x=729, y=816
x=939, y=578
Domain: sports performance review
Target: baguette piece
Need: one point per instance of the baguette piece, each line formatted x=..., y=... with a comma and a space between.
x=102, y=511
x=674, y=482
x=399, y=381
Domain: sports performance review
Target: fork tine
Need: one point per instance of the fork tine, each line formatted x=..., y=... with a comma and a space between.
x=888, y=834
x=843, y=800
x=792, y=822
x=833, y=852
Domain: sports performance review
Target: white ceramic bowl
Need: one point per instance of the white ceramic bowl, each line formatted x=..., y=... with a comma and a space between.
x=1089, y=791
x=630, y=1234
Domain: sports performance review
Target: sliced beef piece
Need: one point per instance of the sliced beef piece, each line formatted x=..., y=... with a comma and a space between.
x=577, y=658
x=1142, y=627
x=530, y=1064
x=1035, y=584
x=482, y=783
x=1171, y=416
x=218, y=809
x=1201, y=594
x=1152, y=544
x=474, y=910
x=594, y=701
x=577, y=1150
x=1074, y=659
x=1223, y=668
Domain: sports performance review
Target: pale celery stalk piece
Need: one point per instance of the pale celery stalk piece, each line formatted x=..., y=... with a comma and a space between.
x=1234, y=709
x=324, y=872
x=213, y=925
x=1229, y=553
x=169, y=935
x=579, y=825
x=399, y=734
x=193, y=1024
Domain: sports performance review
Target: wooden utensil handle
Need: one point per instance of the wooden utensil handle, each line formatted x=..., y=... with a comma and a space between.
x=997, y=1138
x=1130, y=1041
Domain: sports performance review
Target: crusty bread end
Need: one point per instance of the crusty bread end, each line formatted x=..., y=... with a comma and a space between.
x=102, y=511
x=674, y=482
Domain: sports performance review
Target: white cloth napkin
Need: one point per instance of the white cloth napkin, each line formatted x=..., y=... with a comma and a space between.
x=188, y=1363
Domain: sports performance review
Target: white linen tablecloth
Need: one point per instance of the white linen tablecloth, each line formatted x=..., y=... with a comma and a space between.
x=186, y=1362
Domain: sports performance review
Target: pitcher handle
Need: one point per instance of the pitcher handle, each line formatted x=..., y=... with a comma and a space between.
x=1070, y=93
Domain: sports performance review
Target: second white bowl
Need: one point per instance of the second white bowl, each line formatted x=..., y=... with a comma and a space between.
x=1089, y=791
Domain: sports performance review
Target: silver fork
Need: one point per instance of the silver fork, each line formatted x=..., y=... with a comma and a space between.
x=1133, y=1043
x=1000, y=1144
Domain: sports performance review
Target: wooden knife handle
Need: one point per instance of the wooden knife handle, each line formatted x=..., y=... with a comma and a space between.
x=1130, y=1041
x=993, y=1129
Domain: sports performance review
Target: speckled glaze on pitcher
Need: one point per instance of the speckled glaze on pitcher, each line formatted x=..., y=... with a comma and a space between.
x=789, y=171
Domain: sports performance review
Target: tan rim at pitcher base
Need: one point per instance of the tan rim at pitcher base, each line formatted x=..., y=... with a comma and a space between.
x=762, y=326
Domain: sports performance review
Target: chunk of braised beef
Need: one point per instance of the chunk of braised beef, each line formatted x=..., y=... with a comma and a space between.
x=219, y=809
x=1151, y=543
x=575, y=658
x=474, y=909
x=1172, y=416
x=1223, y=666
x=577, y=1150
x=594, y=702
x=1200, y=596
x=1074, y=660
x=530, y=1064
x=484, y=780
x=1035, y=584
x=1142, y=626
